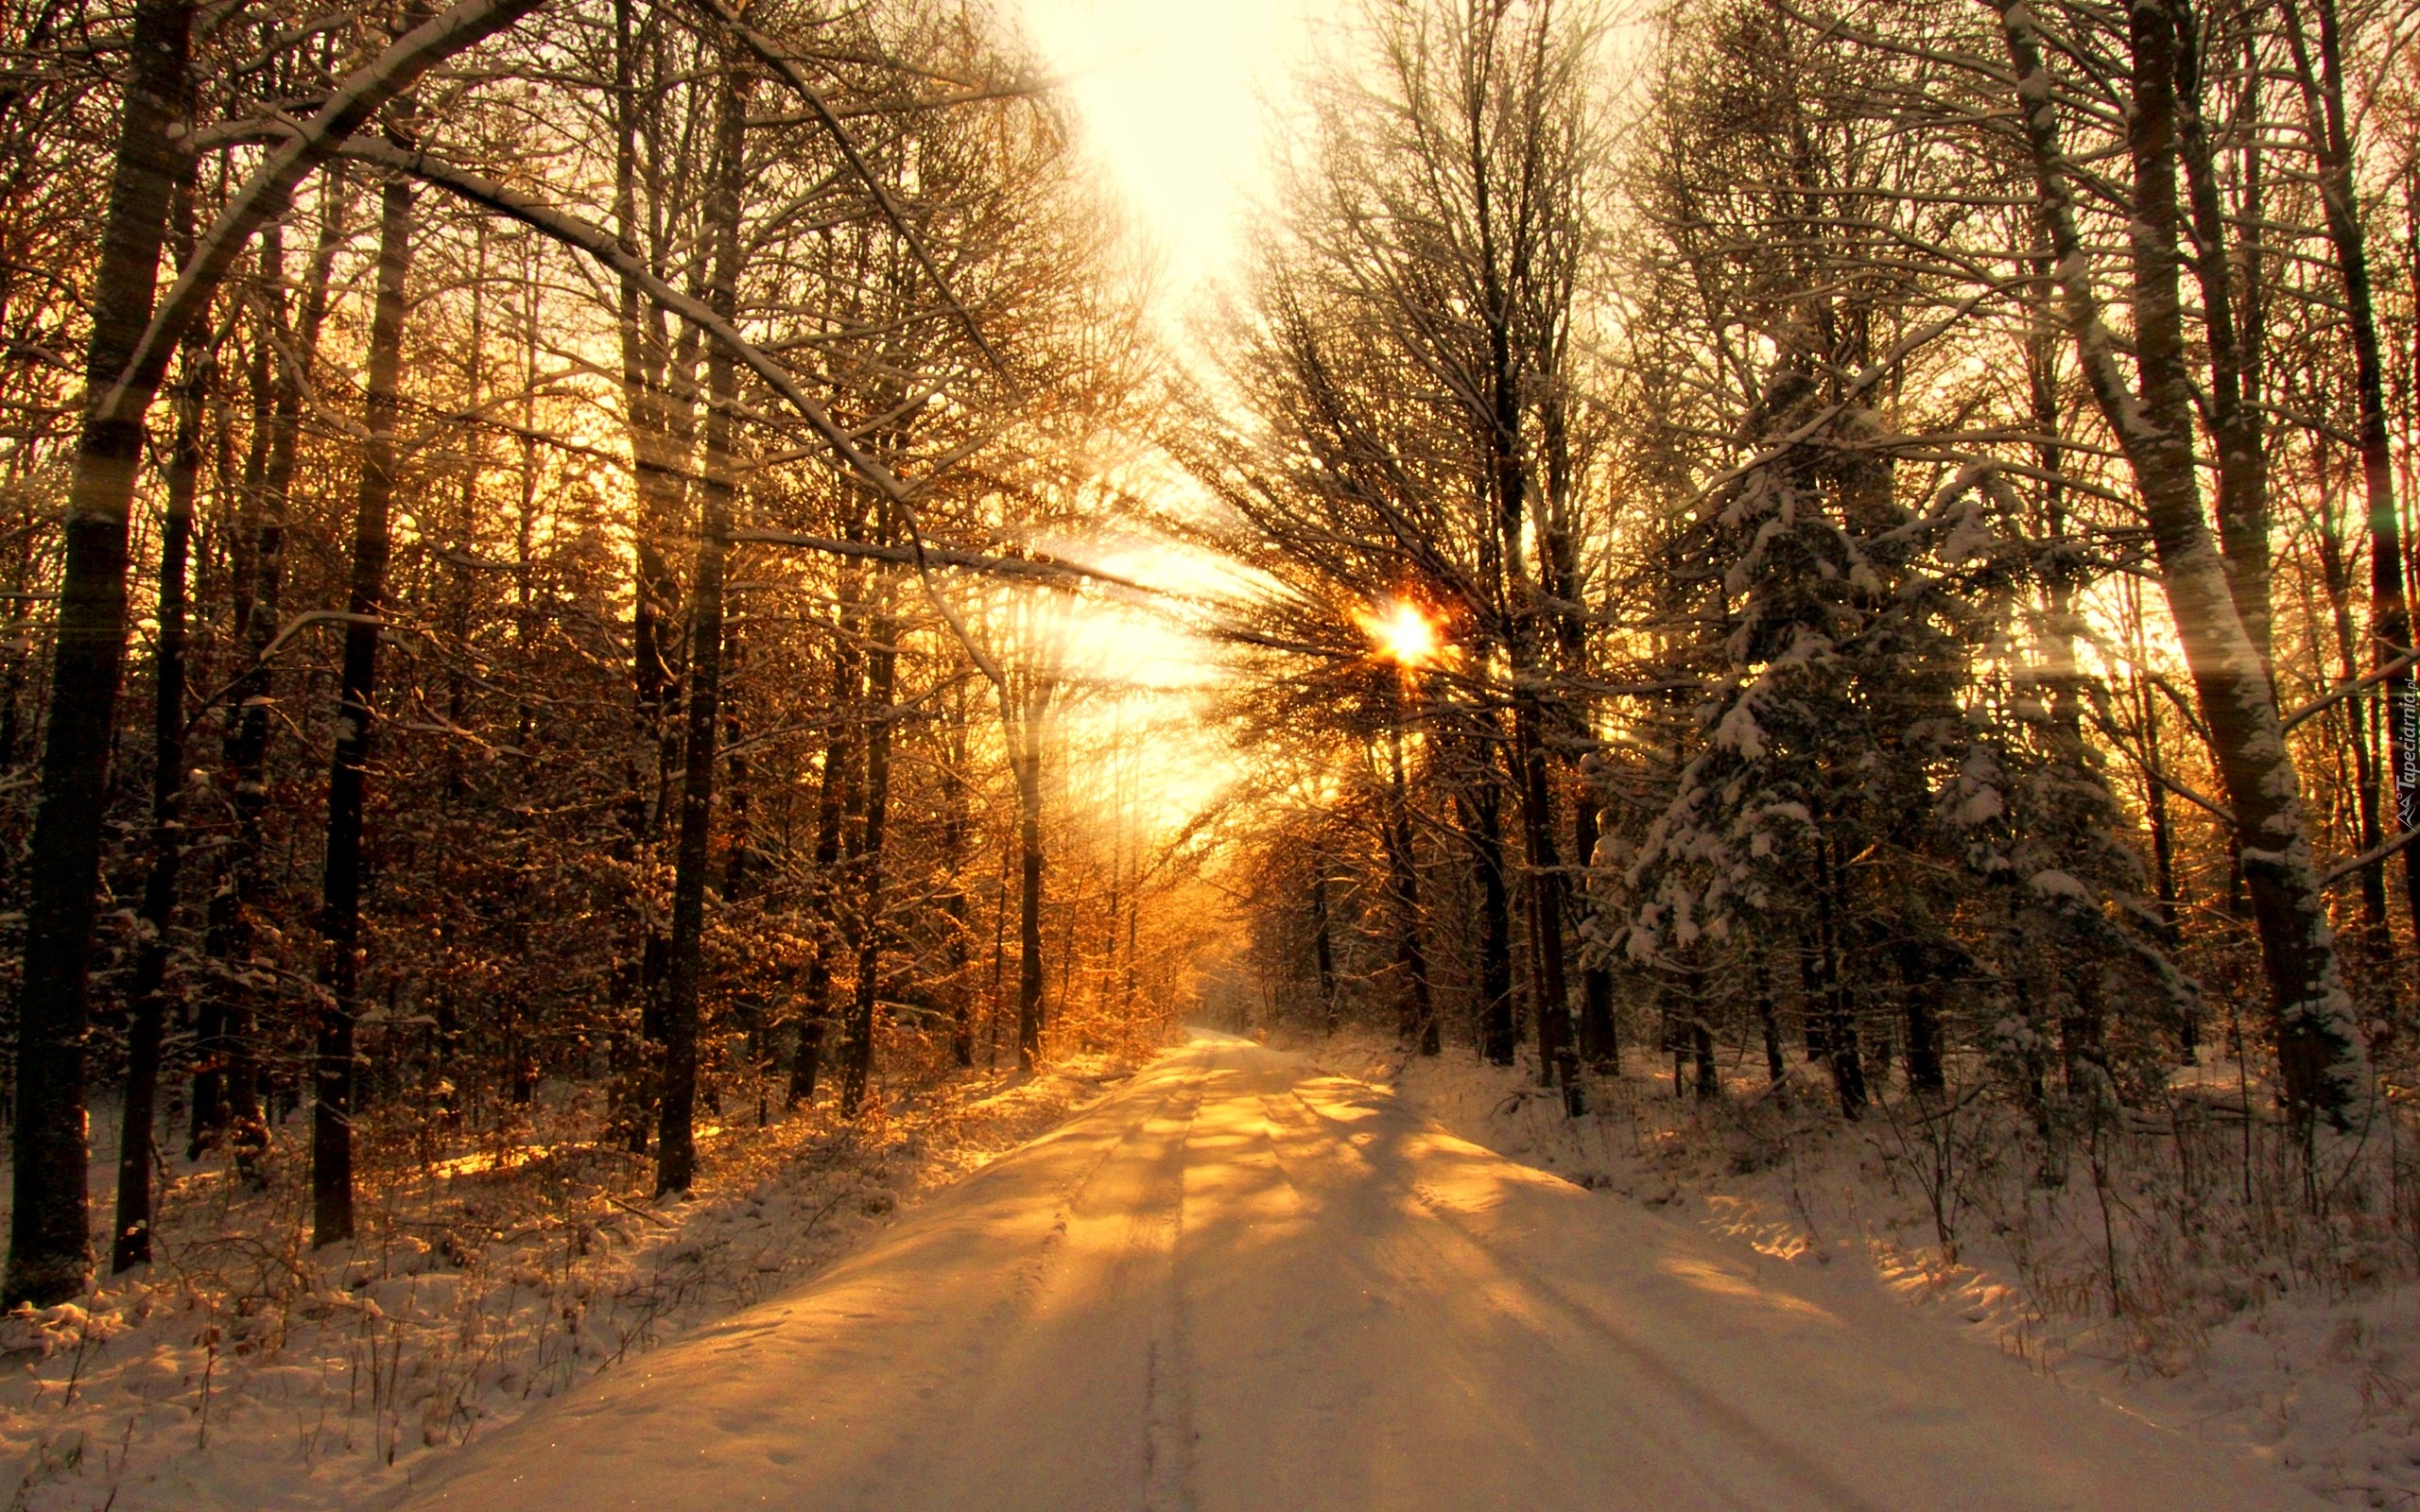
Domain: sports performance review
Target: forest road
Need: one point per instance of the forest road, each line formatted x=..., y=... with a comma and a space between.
x=1237, y=1283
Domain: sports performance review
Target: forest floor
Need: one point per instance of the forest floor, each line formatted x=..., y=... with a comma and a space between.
x=2301, y=1349
x=1241, y=1282
x=244, y=1370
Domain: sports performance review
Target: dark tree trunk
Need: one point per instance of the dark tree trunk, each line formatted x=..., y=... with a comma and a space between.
x=660, y=462
x=1559, y=569
x=1557, y=1055
x=2155, y=800
x=999, y=953
x=1840, y=1022
x=736, y=844
x=1811, y=1017
x=676, y=1156
x=230, y=936
x=209, y=1110
x=2336, y=577
x=2390, y=601
x=49, y=1246
x=1767, y=1021
x=1599, y=1038
x=1499, y=1030
x=956, y=830
x=1133, y=928
x=1029, y=780
x=1419, y=1027
x=2234, y=340
x=1700, y=1036
x=340, y=894
x=1920, y=981
x=146, y=1018
x=830, y=812
x=856, y=1060
x=1323, y=945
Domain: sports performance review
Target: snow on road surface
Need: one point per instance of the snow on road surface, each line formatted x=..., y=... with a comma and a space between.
x=1241, y=1284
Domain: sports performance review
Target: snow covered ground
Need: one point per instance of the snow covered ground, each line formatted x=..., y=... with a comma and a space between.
x=2298, y=1344
x=1240, y=1283
x=244, y=1370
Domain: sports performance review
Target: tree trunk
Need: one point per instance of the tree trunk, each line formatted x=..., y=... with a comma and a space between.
x=1322, y=946
x=2155, y=784
x=2336, y=578
x=210, y=1065
x=1559, y=569
x=49, y=1246
x=2319, y=1053
x=2236, y=417
x=830, y=813
x=237, y=897
x=1767, y=1021
x=2390, y=602
x=1919, y=981
x=1812, y=1018
x=676, y=1149
x=132, y=1243
x=1558, y=1056
x=1499, y=1029
x=1418, y=1029
x=736, y=844
x=1839, y=1020
x=659, y=464
x=957, y=832
x=999, y=953
x=857, y=1061
x=340, y=894
x=1029, y=780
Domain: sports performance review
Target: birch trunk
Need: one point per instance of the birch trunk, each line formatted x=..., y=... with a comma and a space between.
x=2319, y=1053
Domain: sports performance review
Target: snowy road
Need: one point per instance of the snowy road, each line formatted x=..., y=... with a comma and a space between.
x=1237, y=1284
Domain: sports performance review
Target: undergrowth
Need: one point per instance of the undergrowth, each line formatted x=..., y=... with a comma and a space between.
x=2191, y=1253
x=494, y=1268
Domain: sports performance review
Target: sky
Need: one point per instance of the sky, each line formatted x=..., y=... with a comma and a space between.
x=1169, y=94
x=1171, y=101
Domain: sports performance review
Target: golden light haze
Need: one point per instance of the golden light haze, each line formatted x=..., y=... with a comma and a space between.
x=1170, y=98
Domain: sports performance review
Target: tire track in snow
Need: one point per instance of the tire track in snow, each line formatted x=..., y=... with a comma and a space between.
x=1237, y=1289
x=1169, y=1427
x=1074, y=1270
x=1668, y=1433
x=1689, y=1406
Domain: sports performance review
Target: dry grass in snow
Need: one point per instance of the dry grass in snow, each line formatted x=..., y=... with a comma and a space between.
x=245, y=1370
x=2186, y=1264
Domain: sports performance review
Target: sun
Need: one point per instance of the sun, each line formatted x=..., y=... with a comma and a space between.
x=1404, y=633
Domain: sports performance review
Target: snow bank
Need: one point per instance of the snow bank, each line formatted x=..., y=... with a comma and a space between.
x=244, y=1370
x=2257, y=1324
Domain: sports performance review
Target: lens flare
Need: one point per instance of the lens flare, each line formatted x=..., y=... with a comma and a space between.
x=1404, y=634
